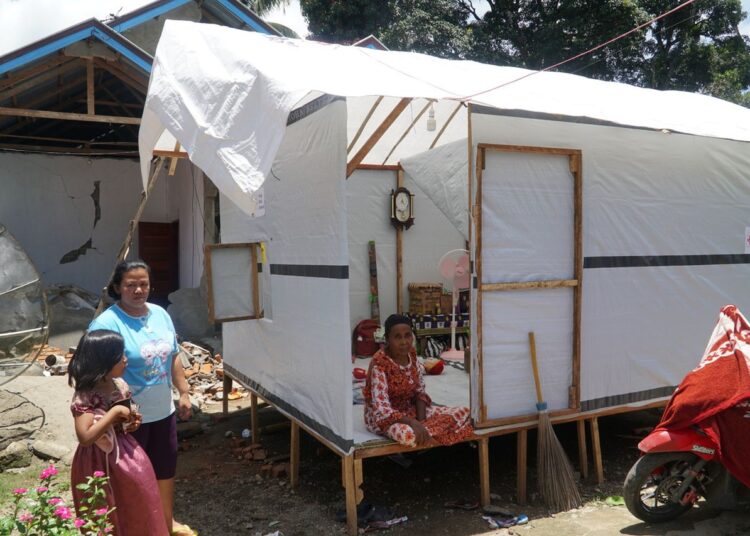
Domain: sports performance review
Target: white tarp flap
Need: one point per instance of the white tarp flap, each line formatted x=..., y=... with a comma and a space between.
x=225, y=95
x=442, y=174
x=299, y=355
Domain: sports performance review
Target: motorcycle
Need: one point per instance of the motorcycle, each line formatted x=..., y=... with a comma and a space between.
x=698, y=449
x=677, y=468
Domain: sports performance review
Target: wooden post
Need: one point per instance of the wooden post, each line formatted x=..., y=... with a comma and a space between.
x=90, y=104
x=399, y=254
x=351, y=495
x=521, y=452
x=227, y=390
x=583, y=458
x=576, y=170
x=358, y=479
x=484, y=471
x=254, y=424
x=125, y=247
x=294, y=456
x=596, y=450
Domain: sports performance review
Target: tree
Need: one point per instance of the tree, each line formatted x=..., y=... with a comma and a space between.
x=346, y=21
x=698, y=48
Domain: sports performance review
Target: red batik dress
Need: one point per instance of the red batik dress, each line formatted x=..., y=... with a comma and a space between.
x=391, y=393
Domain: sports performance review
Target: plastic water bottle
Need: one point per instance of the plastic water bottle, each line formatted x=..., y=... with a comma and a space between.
x=246, y=433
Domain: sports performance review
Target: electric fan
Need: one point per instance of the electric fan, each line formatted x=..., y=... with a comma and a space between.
x=454, y=267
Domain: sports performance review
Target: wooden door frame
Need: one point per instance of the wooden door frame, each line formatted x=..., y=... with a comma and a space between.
x=575, y=165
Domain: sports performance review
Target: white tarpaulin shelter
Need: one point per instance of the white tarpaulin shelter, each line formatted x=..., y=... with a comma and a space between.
x=611, y=220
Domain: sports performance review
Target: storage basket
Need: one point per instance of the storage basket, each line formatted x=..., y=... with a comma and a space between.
x=424, y=298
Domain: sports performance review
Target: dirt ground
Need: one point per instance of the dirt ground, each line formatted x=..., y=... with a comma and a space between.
x=219, y=495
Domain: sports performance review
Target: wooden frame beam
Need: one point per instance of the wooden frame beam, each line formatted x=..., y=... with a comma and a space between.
x=574, y=163
x=129, y=78
x=42, y=77
x=375, y=136
x=399, y=254
x=66, y=116
x=20, y=76
x=90, y=102
x=361, y=128
x=445, y=125
x=406, y=132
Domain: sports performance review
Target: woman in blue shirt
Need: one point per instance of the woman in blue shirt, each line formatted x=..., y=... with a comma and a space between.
x=153, y=367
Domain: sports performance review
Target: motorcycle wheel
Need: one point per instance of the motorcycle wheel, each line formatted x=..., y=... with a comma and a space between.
x=650, y=483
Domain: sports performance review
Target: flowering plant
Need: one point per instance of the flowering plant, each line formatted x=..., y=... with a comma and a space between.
x=42, y=511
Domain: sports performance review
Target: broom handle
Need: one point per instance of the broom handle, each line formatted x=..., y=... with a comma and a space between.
x=532, y=345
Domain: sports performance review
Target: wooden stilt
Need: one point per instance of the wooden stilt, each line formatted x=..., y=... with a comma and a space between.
x=358, y=479
x=583, y=458
x=294, y=456
x=351, y=495
x=596, y=450
x=227, y=390
x=521, y=465
x=484, y=471
x=254, y=424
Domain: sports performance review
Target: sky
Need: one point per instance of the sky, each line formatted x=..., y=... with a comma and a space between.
x=25, y=21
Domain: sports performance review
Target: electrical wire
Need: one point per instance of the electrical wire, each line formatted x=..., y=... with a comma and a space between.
x=585, y=53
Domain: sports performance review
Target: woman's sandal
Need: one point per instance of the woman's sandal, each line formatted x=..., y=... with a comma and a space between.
x=180, y=529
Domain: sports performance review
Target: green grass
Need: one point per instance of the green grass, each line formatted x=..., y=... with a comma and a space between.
x=29, y=478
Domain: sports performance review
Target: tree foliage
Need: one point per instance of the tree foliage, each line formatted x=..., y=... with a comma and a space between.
x=698, y=48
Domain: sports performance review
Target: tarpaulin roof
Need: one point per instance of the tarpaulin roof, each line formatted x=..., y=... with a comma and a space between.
x=225, y=95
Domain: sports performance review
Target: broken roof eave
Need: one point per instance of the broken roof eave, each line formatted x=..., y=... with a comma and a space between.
x=82, y=31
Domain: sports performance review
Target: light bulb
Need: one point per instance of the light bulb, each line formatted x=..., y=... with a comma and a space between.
x=431, y=123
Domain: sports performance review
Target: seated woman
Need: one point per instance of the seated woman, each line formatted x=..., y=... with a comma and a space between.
x=396, y=404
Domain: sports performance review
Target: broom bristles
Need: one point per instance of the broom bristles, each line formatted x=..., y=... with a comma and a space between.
x=557, y=484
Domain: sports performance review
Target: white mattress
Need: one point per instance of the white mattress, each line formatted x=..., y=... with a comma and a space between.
x=451, y=388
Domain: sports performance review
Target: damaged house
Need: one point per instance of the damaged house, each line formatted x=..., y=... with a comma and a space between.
x=70, y=108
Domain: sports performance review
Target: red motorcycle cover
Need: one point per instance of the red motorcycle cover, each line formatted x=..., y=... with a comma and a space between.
x=716, y=395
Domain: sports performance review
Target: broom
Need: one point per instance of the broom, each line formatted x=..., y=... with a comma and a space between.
x=554, y=472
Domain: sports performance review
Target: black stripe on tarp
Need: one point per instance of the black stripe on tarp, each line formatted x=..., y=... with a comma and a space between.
x=310, y=108
x=627, y=398
x=312, y=270
x=344, y=444
x=664, y=260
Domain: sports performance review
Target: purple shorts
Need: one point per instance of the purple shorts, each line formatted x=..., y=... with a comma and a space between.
x=159, y=440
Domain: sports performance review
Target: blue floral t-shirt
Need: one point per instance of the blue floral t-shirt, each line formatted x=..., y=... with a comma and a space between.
x=150, y=345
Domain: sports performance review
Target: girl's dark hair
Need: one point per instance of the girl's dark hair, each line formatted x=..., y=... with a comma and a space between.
x=120, y=270
x=394, y=320
x=97, y=353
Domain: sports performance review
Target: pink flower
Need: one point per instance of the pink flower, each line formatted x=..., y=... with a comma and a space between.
x=19, y=491
x=98, y=474
x=42, y=489
x=54, y=500
x=48, y=472
x=63, y=512
x=79, y=523
x=107, y=530
x=101, y=512
x=25, y=517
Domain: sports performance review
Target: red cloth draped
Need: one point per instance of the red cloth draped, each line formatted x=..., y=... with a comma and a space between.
x=715, y=396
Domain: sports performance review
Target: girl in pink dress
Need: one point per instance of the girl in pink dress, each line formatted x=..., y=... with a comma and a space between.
x=104, y=416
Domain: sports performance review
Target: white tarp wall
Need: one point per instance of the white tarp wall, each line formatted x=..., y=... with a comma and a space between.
x=299, y=358
x=432, y=235
x=664, y=223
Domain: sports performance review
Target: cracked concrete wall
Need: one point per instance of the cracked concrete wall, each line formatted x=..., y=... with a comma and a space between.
x=49, y=204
